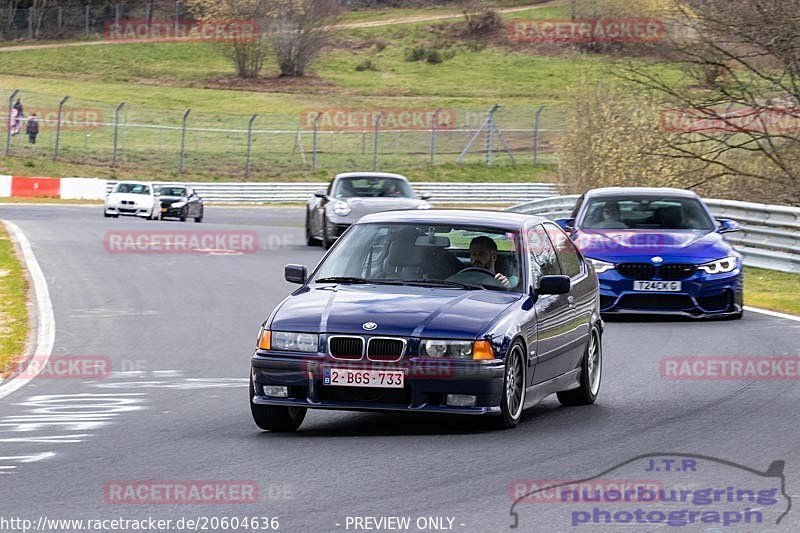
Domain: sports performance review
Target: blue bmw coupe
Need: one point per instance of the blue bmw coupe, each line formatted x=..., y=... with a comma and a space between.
x=469, y=312
x=658, y=251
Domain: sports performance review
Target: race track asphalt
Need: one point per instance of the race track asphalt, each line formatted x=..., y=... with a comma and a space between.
x=179, y=330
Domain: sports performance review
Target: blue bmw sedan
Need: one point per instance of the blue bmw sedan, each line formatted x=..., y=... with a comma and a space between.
x=469, y=312
x=658, y=251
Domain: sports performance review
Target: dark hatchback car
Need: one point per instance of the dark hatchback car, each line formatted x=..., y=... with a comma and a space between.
x=469, y=312
x=180, y=203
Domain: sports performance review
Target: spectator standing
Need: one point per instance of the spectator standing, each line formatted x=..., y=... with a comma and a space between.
x=32, y=128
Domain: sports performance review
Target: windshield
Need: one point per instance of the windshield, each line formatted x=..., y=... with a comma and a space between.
x=172, y=191
x=646, y=213
x=372, y=187
x=458, y=256
x=132, y=188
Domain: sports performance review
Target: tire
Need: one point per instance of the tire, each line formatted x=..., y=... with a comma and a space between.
x=513, y=401
x=591, y=374
x=326, y=242
x=183, y=214
x=200, y=218
x=276, y=417
x=106, y=215
x=310, y=239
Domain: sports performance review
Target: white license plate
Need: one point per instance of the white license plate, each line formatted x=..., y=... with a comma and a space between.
x=343, y=377
x=657, y=286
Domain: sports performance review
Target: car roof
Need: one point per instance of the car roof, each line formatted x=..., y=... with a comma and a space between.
x=130, y=182
x=639, y=191
x=370, y=174
x=497, y=219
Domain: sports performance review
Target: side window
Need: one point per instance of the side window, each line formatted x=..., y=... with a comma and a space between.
x=543, y=256
x=568, y=255
x=577, y=207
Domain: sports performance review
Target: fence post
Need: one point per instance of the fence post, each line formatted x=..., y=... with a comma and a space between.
x=58, y=127
x=60, y=18
x=536, y=134
x=183, y=139
x=433, y=135
x=177, y=14
x=8, y=122
x=249, y=145
x=489, y=132
x=86, y=20
x=30, y=23
x=375, y=142
x=116, y=15
x=314, y=142
x=116, y=135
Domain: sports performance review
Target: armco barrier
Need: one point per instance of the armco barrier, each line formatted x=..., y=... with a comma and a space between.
x=769, y=238
x=441, y=193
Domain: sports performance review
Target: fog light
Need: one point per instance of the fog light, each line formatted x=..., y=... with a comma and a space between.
x=276, y=392
x=461, y=400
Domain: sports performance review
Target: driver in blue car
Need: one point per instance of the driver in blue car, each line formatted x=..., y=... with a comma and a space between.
x=483, y=254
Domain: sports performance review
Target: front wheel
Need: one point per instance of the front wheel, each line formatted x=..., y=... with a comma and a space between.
x=591, y=373
x=183, y=214
x=276, y=417
x=326, y=242
x=513, y=389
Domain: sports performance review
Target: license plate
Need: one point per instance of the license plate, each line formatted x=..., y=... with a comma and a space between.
x=342, y=377
x=657, y=286
x=163, y=209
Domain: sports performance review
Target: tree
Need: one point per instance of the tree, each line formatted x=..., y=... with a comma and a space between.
x=739, y=116
x=296, y=30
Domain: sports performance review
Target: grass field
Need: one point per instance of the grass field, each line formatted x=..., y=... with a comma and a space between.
x=158, y=81
x=14, y=313
x=777, y=291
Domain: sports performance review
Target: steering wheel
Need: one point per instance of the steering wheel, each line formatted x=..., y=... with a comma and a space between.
x=477, y=269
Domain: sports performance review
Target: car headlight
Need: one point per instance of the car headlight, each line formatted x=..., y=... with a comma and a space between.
x=286, y=340
x=341, y=208
x=456, y=349
x=178, y=205
x=424, y=205
x=720, y=266
x=600, y=266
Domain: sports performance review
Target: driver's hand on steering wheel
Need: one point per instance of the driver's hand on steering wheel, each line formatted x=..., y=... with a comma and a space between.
x=502, y=279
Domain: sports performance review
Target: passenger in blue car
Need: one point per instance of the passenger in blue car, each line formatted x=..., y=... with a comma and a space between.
x=610, y=217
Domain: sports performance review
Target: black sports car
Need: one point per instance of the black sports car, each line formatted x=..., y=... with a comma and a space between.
x=464, y=312
x=181, y=203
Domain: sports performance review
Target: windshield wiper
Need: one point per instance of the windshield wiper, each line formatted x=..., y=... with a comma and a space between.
x=353, y=279
x=439, y=282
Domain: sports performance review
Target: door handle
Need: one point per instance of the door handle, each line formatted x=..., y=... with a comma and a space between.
x=571, y=300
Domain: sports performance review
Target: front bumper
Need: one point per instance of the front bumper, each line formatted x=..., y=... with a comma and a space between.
x=702, y=295
x=427, y=384
x=131, y=210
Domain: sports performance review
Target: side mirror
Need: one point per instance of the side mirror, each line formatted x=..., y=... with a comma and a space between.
x=554, y=285
x=320, y=194
x=295, y=274
x=727, y=225
x=425, y=195
x=567, y=224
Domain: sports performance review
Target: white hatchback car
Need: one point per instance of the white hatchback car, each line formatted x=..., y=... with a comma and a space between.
x=133, y=198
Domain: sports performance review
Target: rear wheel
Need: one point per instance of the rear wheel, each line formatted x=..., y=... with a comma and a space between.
x=199, y=218
x=276, y=417
x=513, y=389
x=591, y=374
x=183, y=214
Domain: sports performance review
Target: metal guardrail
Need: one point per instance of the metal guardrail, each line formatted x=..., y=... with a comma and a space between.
x=441, y=193
x=769, y=238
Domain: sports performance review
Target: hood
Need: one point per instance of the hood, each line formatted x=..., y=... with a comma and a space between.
x=172, y=199
x=364, y=206
x=678, y=246
x=139, y=199
x=402, y=311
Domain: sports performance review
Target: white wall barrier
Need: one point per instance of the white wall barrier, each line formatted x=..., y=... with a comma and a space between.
x=83, y=189
x=5, y=186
